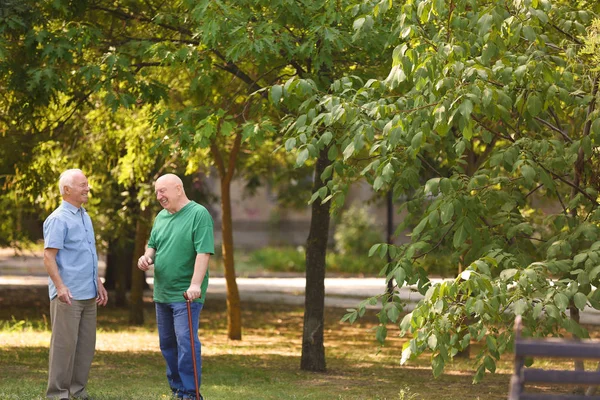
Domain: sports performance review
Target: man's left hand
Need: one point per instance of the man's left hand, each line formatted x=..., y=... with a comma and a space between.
x=194, y=292
x=102, y=298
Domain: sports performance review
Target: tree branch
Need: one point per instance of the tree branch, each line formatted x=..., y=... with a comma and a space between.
x=496, y=133
x=573, y=38
x=436, y=245
x=554, y=128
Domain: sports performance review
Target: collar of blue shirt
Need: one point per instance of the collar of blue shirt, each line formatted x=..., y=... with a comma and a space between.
x=71, y=207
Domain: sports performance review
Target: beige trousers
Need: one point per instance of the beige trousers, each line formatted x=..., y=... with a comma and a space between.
x=72, y=347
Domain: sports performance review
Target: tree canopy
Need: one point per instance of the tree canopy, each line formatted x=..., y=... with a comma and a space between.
x=488, y=122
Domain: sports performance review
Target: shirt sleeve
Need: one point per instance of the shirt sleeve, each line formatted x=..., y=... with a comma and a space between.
x=204, y=240
x=55, y=231
x=152, y=240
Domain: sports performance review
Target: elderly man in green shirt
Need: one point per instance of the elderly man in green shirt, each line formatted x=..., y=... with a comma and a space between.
x=179, y=247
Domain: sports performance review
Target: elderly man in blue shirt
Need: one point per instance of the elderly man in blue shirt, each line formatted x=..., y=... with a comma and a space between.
x=75, y=289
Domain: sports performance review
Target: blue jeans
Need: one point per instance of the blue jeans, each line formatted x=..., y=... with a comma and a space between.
x=174, y=338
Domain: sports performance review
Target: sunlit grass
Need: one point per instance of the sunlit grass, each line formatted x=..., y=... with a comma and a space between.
x=264, y=365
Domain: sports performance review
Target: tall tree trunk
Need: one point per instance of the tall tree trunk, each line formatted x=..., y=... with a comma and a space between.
x=313, y=350
x=226, y=171
x=390, y=237
x=138, y=277
x=234, y=309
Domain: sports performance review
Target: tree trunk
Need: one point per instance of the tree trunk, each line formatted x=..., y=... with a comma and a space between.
x=118, y=263
x=390, y=238
x=234, y=309
x=138, y=277
x=313, y=350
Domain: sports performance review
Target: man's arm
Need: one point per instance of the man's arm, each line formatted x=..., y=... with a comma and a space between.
x=102, y=298
x=63, y=292
x=147, y=259
x=200, y=268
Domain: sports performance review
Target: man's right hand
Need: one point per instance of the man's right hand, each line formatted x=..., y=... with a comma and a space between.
x=64, y=295
x=144, y=263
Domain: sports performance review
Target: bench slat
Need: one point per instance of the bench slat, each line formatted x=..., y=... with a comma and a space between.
x=557, y=348
x=561, y=376
x=545, y=396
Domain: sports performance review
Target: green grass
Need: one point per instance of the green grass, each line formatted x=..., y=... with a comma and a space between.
x=264, y=365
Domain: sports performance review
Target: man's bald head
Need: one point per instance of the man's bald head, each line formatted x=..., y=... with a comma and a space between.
x=170, y=193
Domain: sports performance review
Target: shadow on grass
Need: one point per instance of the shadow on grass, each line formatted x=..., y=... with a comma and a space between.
x=264, y=365
x=137, y=375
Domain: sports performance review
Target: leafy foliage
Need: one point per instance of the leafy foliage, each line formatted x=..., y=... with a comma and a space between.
x=487, y=121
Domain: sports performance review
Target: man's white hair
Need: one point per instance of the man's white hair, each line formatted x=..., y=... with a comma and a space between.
x=66, y=179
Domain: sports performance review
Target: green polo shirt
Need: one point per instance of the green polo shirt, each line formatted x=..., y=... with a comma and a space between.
x=177, y=239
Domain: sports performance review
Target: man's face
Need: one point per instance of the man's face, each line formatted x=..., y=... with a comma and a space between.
x=167, y=194
x=77, y=192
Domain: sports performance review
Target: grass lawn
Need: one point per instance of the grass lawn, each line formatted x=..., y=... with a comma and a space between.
x=264, y=365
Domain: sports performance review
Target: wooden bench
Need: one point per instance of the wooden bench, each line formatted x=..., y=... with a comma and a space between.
x=556, y=348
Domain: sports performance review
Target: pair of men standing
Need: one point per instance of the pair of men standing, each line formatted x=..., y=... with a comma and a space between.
x=180, y=245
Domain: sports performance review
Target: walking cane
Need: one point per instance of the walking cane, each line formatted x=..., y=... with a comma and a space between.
x=189, y=311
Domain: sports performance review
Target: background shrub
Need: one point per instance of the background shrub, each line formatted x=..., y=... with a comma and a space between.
x=356, y=232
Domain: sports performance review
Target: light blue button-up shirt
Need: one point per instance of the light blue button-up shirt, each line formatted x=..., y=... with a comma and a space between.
x=69, y=229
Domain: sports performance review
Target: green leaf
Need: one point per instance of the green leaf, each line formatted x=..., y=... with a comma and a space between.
x=406, y=353
x=326, y=138
x=529, y=33
x=528, y=173
x=349, y=151
x=381, y=334
x=479, y=307
x=275, y=93
x=484, y=24
x=580, y=300
x=415, y=143
x=447, y=212
x=332, y=153
x=508, y=273
x=399, y=275
x=302, y=157
x=596, y=129
x=594, y=272
x=405, y=324
x=383, y=250
x=487, y=97
x=552, y=311
x=290, y=144
x=432, y=342
x=434, y=218
x=445, y=185
x=460, y=236
x=534, y=105
x=561, y=301
x=439, y=306
x=438, y=365
x=393, y=312
x=490, y=364
x=520, y=307
x=373, y=249
x=466, y=108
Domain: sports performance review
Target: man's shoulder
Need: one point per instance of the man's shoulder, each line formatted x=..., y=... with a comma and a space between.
x=200, y=211
x=58, y=213
x=197, y=207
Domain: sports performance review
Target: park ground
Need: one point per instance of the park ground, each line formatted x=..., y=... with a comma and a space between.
x=264, y=365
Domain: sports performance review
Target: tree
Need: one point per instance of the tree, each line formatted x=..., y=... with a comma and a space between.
x=256, y=42
x=499, y=103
